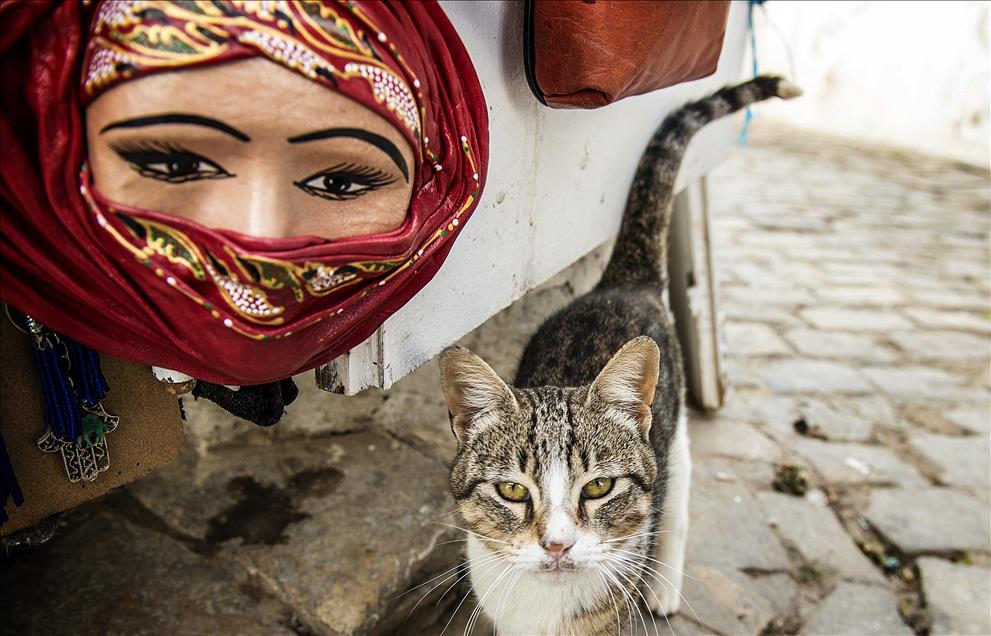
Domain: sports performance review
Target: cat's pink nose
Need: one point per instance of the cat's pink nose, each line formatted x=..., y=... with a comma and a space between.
x=557, y=548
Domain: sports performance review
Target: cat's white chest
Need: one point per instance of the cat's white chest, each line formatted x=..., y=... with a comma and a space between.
x=528, y=603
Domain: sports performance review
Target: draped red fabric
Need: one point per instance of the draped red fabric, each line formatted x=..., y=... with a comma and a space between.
x=224, y=307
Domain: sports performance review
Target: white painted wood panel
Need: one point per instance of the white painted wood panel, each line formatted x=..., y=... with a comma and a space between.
x=556, y=189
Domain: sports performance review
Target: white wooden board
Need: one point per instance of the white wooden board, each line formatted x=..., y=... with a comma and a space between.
x=557, y=185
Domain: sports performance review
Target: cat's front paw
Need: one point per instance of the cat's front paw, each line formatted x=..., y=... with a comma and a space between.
x=663, y=599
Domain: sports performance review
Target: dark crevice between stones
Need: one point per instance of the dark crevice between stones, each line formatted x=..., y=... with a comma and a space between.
x=788, y=624
x=256, y=590
x=265, y=512
x=897, y=567
x=432, y=613
x=130, y=508
x=415, y=445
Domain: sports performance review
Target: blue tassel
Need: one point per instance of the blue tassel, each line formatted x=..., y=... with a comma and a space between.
x=61, y=406
x=9, y=488
x=87, y=377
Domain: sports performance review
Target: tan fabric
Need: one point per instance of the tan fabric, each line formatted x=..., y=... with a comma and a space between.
x=591, y=53
x=148, y=437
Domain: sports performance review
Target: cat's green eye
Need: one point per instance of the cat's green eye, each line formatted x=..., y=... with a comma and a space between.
x=511, y=491
x=598, y=487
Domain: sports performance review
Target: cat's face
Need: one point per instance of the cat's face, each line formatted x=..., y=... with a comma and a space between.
x=555, y=480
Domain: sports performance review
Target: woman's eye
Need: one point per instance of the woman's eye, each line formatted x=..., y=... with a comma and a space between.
x=344, y=182
x=169, y=162
x=511, y=491
x=598, y=487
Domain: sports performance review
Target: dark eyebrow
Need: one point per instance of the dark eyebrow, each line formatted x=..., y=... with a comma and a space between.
x=378, y=141
x=177, y=118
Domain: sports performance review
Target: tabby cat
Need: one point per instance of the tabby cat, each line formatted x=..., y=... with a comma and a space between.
x=573, y=483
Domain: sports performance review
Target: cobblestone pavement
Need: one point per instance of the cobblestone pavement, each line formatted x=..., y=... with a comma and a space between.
x=844, y=488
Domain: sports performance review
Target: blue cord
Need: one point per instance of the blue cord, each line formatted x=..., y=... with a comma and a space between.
x=748, y=114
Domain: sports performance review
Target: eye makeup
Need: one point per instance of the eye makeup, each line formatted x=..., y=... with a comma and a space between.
x=167, y=161
x=344, y=182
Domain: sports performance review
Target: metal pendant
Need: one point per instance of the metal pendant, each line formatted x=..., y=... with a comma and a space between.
x=87, y=456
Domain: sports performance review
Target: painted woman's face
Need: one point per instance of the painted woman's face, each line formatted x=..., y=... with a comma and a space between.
x=253, y=147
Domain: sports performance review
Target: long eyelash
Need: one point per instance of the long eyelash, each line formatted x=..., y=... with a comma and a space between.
x=373, y=178
x=370, y=176
x=139, y=154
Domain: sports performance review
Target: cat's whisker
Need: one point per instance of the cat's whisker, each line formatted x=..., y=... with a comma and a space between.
x=636, y=535
x=476, y=534
x=465, y=598
x=661, y=563
x=481, y=601
x=636, y=587
x=627, y=598
x=491, y=566
x=451, y=541
x=467, y=565
x=612, y=597
x=633, y=568
x=667, y=581
x=478, y=608
x=506, y=592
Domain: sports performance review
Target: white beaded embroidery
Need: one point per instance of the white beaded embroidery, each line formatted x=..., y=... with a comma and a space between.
x=286, y=51
x=388, y=88
x=103, y=67
x=246, y=298
x=120, y=13
x=327, y=278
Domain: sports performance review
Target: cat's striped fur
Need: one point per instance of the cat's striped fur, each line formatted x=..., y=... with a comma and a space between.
x=579, y=410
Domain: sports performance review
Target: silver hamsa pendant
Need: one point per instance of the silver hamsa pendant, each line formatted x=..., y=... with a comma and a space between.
x=87, y=456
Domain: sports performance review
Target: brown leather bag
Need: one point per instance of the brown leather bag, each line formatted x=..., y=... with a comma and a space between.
x=590, y=53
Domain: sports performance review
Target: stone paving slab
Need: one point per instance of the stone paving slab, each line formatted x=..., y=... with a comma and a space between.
x=958, y=597
x=308, y=517
x=835, y=423
x=854, y=319
x=727, y=524
x=930, y=520
x=721, y=437
x=858, y=463
x=812, y=376
x=749, y=339
x=974, y=420
x=941, y=345
x=818, y=343
x=914, y=382
x=962, y=320
x=858, y=609
x=963, y=461
x=731, y=602
x=108, y=576
x=817, y=535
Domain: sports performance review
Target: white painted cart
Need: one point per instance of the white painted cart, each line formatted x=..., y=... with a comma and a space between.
x=557, y=186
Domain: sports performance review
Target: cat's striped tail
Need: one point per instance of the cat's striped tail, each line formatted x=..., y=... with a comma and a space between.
x=640, y=255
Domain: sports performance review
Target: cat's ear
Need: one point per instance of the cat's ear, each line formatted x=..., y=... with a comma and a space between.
x=472, y=389
x=628, y=381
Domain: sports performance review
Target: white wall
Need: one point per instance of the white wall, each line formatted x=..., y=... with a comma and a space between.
x=912, y=74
